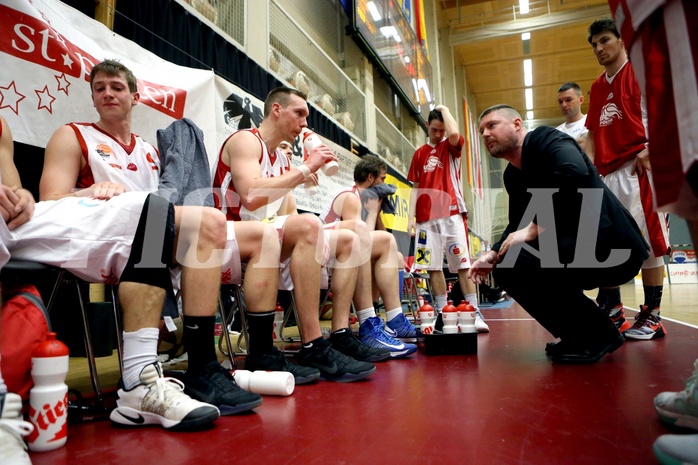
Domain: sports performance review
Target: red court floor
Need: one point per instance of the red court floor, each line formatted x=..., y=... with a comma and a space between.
x=507, y=405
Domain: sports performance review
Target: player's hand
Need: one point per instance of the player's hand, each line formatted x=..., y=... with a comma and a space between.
x=24, y=208
x=482, y=267
x=102, y=190
x=526, y=234
x=411, y=228
x=642, y=163
x=319, y=156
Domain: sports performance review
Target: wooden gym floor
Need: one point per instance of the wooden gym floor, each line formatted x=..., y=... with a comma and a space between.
x=508, y=404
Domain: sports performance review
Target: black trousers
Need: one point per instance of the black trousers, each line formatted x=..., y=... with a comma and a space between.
x=555, y=296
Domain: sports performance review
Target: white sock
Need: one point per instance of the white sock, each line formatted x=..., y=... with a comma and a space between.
x=441, y=302
x=472, y=298
x=365, y=314
x=140, y=350
x=390, y=314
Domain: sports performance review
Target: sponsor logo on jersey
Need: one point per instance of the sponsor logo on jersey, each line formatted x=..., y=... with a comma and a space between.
x=132, y=167
x=422, y=239
x=433, y=162
x=608, y=113
x=104, y=151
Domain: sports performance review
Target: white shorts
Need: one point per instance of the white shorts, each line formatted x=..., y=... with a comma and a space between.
x=231, y=270
x=285, y=281
x=88, y=237
x=635, y=193
x=439, y=236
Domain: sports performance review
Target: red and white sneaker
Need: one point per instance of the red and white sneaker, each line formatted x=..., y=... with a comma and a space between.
x=617, y=316
x=647, y=326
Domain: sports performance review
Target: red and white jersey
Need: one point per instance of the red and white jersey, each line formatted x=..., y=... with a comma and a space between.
x=136, y=166
x=615, y=117
x=662, y=39
x=437, y=170
x=4, y=253
x=328, y=214
x=272, y=165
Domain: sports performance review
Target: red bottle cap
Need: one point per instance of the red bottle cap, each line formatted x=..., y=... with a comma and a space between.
x=50, y=347
x=449, y=307
x=278, y=307
x=426, y=308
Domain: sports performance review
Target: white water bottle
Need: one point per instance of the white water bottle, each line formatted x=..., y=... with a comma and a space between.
x=278, y=322
x=310, y=141
x=48, y=399
x=269, y=383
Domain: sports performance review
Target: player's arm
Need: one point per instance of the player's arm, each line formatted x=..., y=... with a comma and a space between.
x=17, y=204
x=242, y=153
x=589, y=145
x=288, y=206
x=450, y=125
x=413, y=209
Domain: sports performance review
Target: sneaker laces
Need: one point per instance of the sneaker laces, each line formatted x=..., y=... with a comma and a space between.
x=17, y=429
x=171, y=388
x=642, y=317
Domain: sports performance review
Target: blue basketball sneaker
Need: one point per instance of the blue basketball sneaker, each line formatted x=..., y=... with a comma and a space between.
x=371, y=333
x=400, y=328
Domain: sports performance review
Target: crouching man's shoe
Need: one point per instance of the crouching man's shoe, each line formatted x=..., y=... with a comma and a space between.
x=590, y=350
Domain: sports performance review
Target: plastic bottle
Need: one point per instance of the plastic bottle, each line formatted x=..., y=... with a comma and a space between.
x=278, y=321
x=466, y=317
x=270, y=383
x=426, y=318
x=310, y=141
x=450, y=316
x=48, y=399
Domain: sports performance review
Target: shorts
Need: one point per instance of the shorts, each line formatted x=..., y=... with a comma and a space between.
x=439, y=236
x=90, y=238
x=285, y=281
x=635, y=193
x=231, y=270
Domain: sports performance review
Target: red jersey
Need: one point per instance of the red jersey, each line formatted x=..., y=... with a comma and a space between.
x=437, y=170
x=615, y=117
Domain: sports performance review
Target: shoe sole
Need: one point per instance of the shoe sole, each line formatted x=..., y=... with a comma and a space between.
x=677, y=419
x=240, y=408
x=123, y=417
x=306, y=379
x=612, y=347
x=403, y=353
x=347, y=377
x=646, y=337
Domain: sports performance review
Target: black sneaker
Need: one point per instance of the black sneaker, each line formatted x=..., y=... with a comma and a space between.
x=215, y=385
x=333, y=365
x=276, y=361
x=348, y=344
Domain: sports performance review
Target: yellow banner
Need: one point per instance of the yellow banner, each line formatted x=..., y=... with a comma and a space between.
x=401, y=201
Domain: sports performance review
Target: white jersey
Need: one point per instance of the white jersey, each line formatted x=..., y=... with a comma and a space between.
x=137, y=166
x=574, y=130
x=328, y=215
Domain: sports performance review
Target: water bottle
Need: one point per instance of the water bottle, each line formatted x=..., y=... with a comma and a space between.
x=450, y=316
x=48, y=399
x=310, y=141
x=466, y=317
x=426, y=319
x=270, y=383
x=278, y=322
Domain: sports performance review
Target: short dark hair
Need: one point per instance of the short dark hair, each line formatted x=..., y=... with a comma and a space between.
x=369, y=164
x=115, y=68
x=508, y=109
x=435, y=114
x=602, y=25
x=570, y=85
x=281, y=96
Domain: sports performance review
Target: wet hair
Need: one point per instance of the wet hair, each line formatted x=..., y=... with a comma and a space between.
x=506, y=109
x=369, y=164
x=281, y=95
x=570, y=85
x=115, y=68
x=602, y=25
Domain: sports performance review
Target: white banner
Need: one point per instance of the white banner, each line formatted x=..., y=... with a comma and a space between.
x=47, y=50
